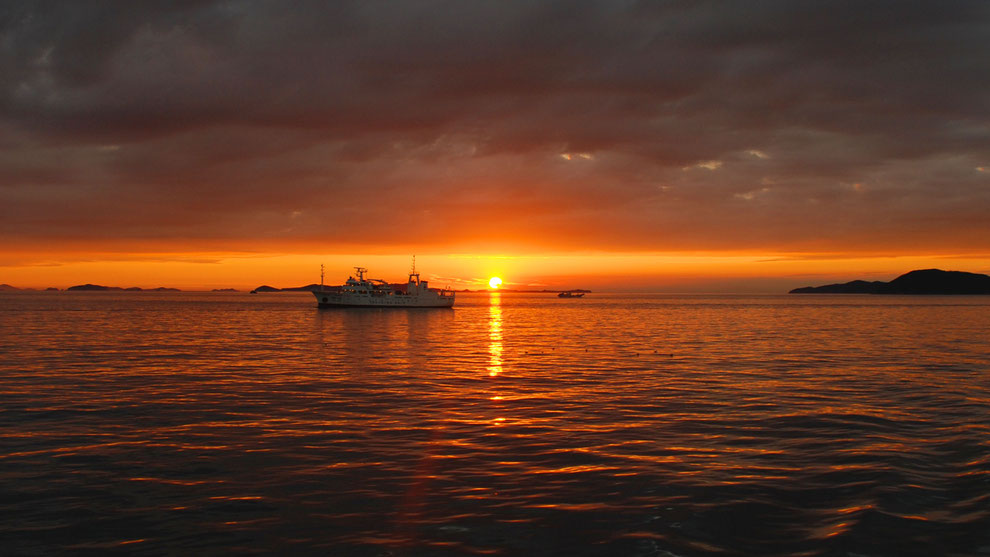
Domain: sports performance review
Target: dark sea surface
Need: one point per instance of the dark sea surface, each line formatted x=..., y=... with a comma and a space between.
x=514, y=424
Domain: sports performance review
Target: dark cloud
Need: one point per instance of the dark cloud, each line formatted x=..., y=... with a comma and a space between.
x=588, y=125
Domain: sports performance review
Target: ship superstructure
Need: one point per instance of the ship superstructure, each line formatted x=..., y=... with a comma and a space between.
x=371, y=292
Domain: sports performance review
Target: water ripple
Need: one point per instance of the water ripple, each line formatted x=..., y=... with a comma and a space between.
x=148, y=423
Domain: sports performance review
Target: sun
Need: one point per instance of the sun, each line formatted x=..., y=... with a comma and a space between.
x=494, y=282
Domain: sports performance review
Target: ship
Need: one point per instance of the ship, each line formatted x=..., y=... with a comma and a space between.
x=362, y=292
x=570, y=294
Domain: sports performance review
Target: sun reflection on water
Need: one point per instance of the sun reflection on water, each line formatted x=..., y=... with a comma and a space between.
x=495, y=334
x=495, y=348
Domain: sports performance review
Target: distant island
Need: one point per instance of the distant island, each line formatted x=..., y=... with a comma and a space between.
x=100, y=288
x=925, y=281
x=311, y=287
x=94, y=288
x=9, y=288
x=263, y=288
x=266, y=288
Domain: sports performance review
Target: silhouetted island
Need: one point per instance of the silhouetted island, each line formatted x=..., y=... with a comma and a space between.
x=92, y=288
x=926, y=281
x=854, y=287
x=9, y=288
x=311, y=287
x=266, y=288
x=307, y=288
x=100, y=288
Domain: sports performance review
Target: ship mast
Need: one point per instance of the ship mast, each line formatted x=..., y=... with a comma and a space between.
x=321, y=276
x=412, y=271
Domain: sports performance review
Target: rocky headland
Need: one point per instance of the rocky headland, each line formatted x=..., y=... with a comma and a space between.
x=925, y=281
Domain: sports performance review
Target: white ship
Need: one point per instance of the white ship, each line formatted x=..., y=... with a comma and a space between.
x=369, y=292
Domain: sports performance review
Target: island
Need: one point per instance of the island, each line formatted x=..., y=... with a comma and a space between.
x=307, y=288
x=924, y=281
x=100, y=288
x=9, y=288
x=266, y=288
x=312, y=287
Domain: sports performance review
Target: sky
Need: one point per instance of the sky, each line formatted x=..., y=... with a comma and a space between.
x=676, y=146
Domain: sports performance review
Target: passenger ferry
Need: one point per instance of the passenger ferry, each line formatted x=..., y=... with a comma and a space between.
x=370, y=292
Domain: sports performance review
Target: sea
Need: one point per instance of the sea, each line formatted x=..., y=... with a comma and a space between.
x=174, y=423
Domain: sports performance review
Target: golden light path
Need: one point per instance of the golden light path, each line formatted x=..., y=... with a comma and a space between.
x=495, y=334
x=495, y=350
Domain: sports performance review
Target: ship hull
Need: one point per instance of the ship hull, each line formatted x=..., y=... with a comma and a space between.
x=356, y=300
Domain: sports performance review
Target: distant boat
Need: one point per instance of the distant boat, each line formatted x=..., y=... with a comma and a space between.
x=571, y=295
x=369, y=292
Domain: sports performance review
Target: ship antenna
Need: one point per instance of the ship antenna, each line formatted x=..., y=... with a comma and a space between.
x=321, y=276
x=412, y=272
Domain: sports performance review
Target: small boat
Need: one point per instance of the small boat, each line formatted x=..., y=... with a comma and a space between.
x=369, y=292
x=570, y=294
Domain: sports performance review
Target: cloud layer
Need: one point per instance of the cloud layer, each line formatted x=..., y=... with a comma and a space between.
x=785, y=126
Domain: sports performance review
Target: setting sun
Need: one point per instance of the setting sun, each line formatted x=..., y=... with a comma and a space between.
x=494, y=282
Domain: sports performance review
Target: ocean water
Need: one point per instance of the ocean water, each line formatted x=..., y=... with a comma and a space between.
x=513, y=424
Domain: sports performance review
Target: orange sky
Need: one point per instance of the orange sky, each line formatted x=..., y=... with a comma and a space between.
x=695, y=272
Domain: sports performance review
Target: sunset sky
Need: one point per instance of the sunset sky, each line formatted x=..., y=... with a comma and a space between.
x=677, y=146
